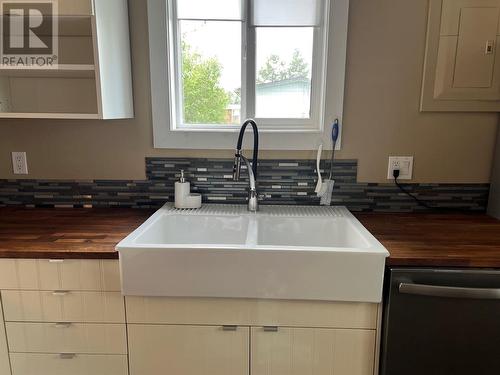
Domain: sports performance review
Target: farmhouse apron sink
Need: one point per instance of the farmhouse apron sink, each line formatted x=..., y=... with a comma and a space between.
x=281, y=252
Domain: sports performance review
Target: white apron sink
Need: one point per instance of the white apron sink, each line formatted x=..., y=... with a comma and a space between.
x=281, y=252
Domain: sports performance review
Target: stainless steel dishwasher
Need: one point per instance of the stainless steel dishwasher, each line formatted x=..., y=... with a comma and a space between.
x=441, y=322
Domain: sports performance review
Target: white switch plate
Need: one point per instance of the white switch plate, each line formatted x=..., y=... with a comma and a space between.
x=405, y=166
x=19, y=163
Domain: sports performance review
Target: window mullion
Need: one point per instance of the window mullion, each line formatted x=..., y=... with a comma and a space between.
x=177, y=65
x=249, y=66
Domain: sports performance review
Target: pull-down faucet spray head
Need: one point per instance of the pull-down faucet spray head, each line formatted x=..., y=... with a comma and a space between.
x=237, y=165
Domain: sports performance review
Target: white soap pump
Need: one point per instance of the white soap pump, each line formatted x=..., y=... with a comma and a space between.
x=183, y=196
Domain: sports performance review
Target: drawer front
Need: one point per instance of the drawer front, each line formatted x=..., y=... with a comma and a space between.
x=67, y=338
x=43, y=274
x=75, y=307
x=54, y=364
x=148, y=310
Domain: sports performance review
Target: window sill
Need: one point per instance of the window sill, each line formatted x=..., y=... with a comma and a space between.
x=236, y=129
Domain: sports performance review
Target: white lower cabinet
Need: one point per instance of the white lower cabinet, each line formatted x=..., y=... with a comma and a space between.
x=188, y=350
x=62, y=317
x=178, y=336
x=68, y=318
x=312, y=351
x=193, y=350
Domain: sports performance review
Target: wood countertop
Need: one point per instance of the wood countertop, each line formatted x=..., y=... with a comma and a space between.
x=66, y=233
x=437, y=240
x=424, y=240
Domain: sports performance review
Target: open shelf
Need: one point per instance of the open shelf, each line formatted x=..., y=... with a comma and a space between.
x=93, y=77
x=67, y=25
x=62, y=71
x=73, y=116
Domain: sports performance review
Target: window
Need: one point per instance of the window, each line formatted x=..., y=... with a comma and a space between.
x=208, y=71
x=284, y=57
x=216, y=62
x=247, y=58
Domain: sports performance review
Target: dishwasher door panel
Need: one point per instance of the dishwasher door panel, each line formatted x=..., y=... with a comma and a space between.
x=441, y=322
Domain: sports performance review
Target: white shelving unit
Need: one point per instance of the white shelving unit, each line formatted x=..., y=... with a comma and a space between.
x=93, y=79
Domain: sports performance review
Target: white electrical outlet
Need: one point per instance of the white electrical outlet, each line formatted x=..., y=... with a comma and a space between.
x=405, y=166
x=19, y=163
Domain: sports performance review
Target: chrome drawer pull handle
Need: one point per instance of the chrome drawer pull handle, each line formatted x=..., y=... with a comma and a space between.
x=270, y=329
x=60, y=293
x=56, y=260
x=229, y=328
x=448, y=291
x=67, y=355
x=62, y=325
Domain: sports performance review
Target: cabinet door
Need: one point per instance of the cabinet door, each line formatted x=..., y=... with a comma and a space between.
x=462, y=63
x=467, y=51
x=188, y=350
x=310, y=351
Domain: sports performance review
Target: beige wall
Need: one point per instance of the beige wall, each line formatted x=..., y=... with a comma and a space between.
x=385, y=56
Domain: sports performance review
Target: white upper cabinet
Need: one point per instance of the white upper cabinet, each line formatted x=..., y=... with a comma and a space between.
x=462, y=64
x=90, y=77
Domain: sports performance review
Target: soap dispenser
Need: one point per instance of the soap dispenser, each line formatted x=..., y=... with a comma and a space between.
x=183, y=196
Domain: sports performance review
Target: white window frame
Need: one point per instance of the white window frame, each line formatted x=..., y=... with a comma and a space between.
x=284, y=134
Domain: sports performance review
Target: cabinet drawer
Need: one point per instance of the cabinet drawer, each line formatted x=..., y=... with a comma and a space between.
x=67, y=338
x=44, y=306
x=54, y=364
x=149, y=310
x=43, y=274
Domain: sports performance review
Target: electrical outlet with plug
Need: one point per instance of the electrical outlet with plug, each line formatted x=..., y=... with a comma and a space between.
x=402, y=163
x=19, y=163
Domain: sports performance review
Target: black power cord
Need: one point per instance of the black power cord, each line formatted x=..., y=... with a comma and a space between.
x=395, y=174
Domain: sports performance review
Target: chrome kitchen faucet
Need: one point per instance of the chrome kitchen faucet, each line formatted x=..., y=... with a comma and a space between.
x=253, y=198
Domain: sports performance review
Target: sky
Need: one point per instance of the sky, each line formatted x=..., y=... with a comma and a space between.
x=222, y=39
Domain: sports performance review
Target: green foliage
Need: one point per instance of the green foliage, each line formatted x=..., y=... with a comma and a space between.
x=273, y=70
x=205, y=101
x=298, y=67
x=276, y=70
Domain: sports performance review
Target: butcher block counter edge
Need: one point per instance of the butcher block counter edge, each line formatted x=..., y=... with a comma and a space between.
x=425, y=240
